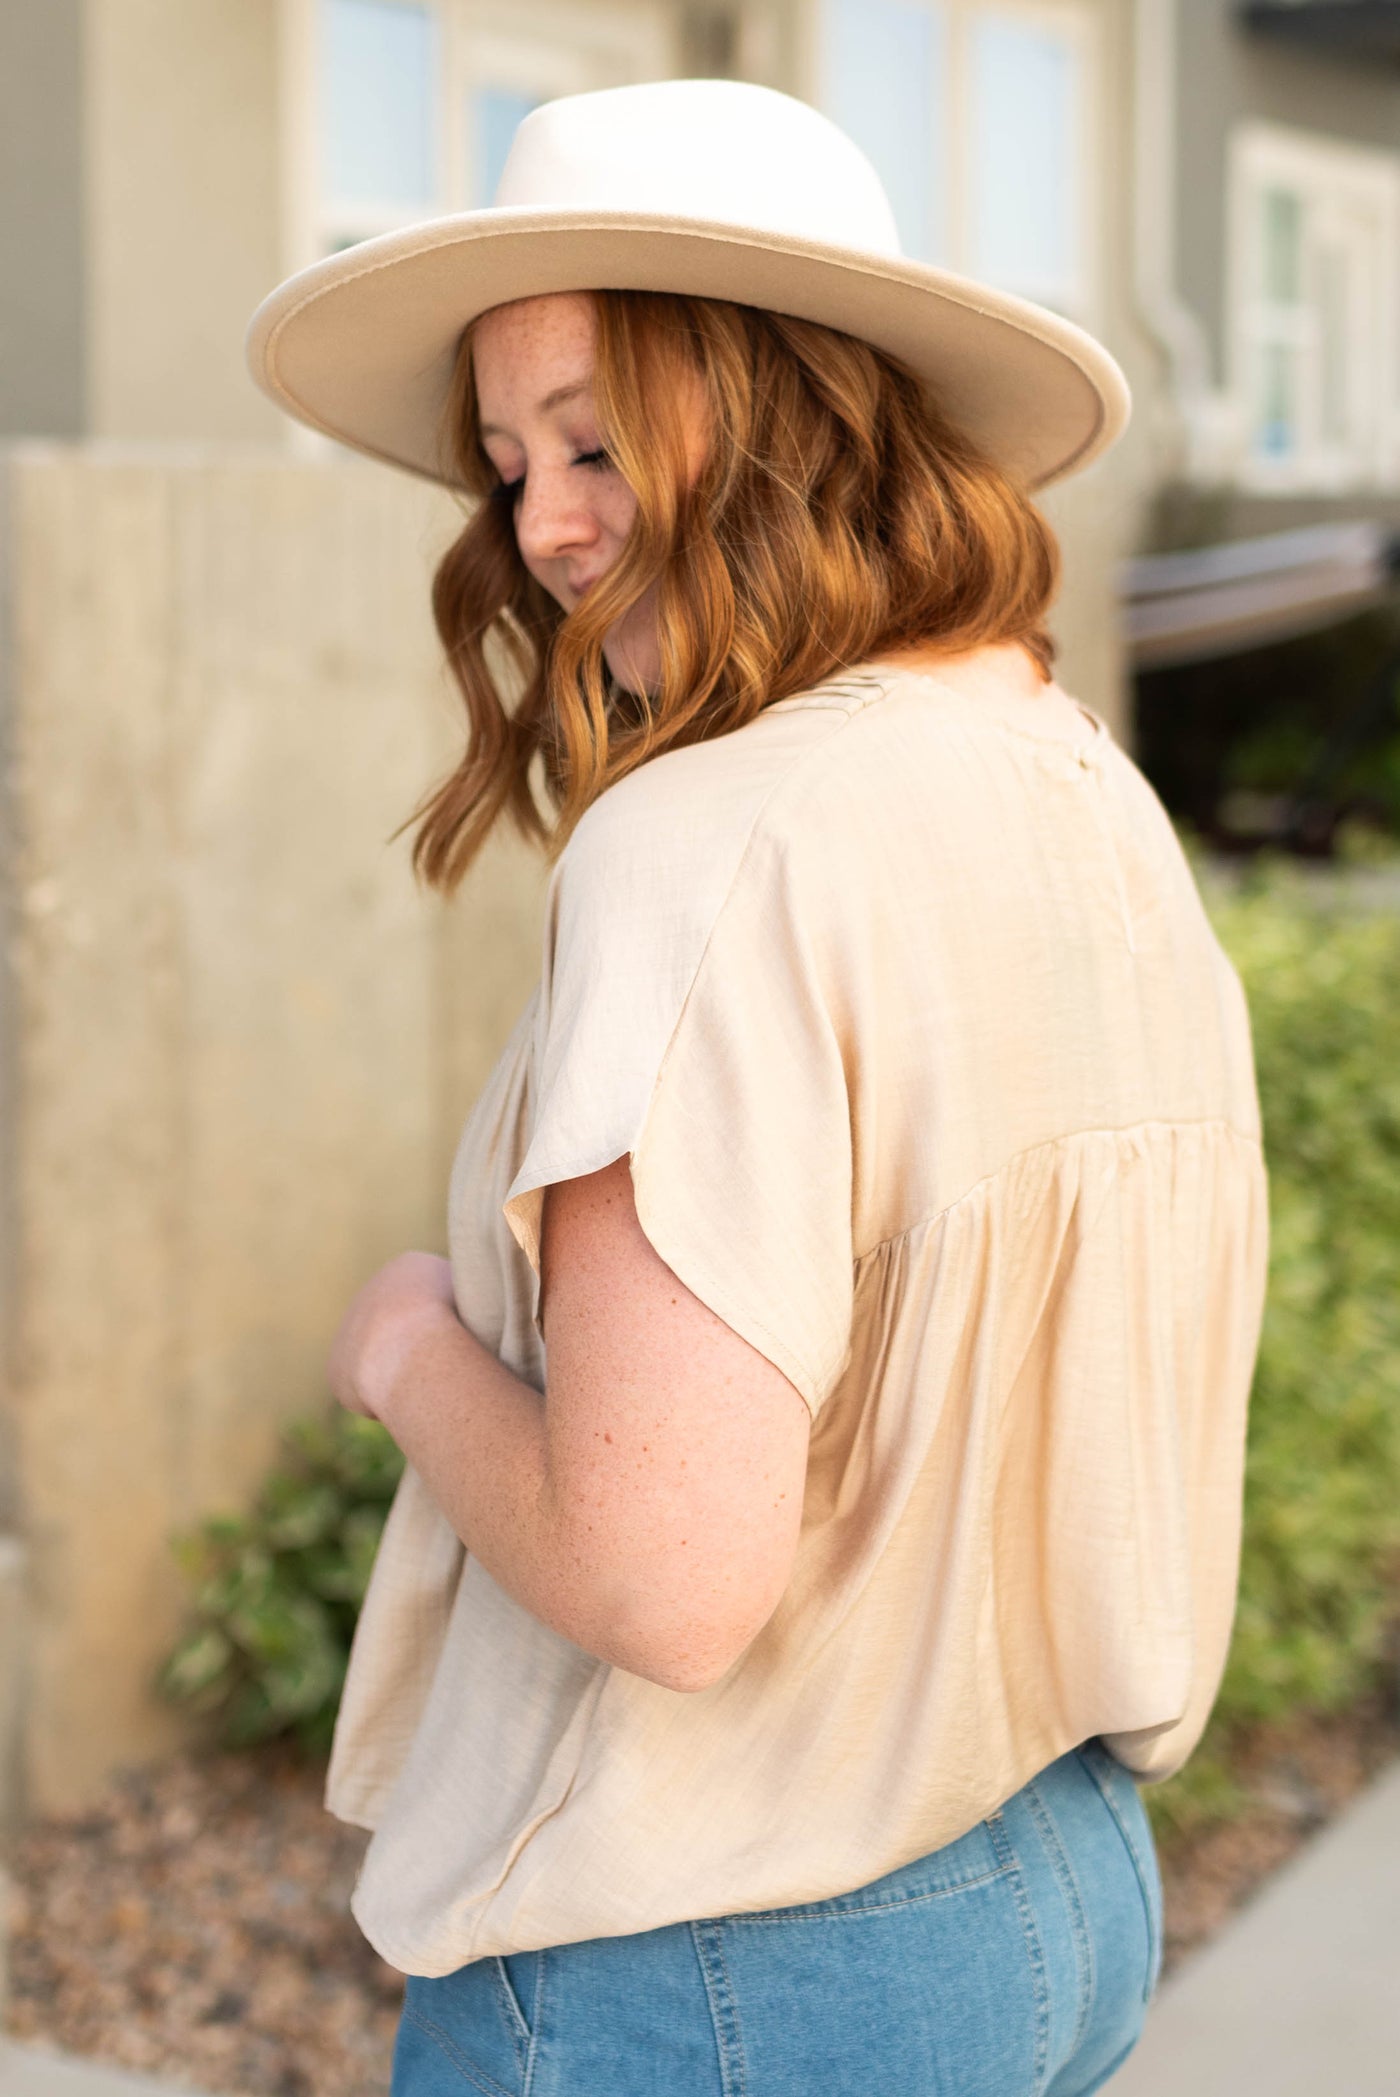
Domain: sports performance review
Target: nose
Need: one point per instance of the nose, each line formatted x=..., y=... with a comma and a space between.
x=552, y=517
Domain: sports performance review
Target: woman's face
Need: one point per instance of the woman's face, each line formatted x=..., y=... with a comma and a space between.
x=533, y=365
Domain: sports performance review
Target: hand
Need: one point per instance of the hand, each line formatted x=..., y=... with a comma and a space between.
x=385, y=1321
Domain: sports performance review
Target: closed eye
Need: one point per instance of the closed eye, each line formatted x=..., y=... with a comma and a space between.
x=597, y=461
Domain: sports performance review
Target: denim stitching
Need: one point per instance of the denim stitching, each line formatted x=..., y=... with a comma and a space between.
x=487, y=2084
x=734, y=2010
x=1154, y=1944
x=869, y=1907
x=1062, y=1866
x=1001, y=1838
x=536, y=2018
x=707, y=1938
x=514, y=2015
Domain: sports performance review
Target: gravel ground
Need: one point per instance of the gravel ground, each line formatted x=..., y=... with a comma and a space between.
x=195, y=1923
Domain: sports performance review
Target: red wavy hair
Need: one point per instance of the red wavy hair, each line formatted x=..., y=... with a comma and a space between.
x=837, y=518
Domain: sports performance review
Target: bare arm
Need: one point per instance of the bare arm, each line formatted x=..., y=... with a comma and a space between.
x=650, y=1511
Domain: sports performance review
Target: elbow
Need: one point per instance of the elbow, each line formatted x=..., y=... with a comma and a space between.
x=681, y=1624
x=688, y=1670
x=685, y=1669
x=684, y=1655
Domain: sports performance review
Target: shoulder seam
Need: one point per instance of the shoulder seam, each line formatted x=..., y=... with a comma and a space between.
x=878, y=689
x=775, y=786
x=771, y=793
x=741, y=860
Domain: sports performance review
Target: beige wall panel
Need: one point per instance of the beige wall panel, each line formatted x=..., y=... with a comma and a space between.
x=183, y=213
x=1096, y=517
x=245, y=1039
x=98, y=1147
x=14, y=1588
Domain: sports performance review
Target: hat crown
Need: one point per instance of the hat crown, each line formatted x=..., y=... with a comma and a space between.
x=718, y=150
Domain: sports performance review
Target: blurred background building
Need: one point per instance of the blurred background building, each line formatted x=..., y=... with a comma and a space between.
x=235, y=1043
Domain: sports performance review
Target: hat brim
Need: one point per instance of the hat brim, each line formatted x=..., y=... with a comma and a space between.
x=362, y=345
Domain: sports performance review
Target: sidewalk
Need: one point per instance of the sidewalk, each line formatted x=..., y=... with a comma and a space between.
x=29, y=2071
x=1299, y=1995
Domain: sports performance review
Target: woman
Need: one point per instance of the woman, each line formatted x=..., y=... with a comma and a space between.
x=824, y=1444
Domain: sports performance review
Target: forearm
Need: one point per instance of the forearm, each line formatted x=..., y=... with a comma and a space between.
x=475, y=1434
x=608, y=1515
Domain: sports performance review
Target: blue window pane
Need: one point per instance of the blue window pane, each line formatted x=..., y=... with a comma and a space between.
x=377, y=140
x=1276, y=403
x=884, y=67
x=497, y=114
x=1025, y=174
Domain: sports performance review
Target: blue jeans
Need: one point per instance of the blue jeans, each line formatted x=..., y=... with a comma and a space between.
x=1015, y=1962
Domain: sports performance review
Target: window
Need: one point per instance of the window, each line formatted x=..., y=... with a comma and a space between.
x=494, y=115
x=885, y=70
x=379, y=69
x=978, y=116
x=1026, y=196
x=1313, y=265
x=411, y=105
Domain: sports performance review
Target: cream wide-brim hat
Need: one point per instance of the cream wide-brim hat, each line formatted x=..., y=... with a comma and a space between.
x=714, y=188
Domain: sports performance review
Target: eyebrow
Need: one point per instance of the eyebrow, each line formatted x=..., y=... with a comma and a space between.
x=551, y=400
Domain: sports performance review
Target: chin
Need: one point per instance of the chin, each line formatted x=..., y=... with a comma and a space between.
x=642, y=681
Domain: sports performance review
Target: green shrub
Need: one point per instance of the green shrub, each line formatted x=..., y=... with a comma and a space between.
x=1318, y=1587
x=275, y=1594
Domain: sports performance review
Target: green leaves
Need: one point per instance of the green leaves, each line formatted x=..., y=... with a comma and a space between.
x=274, y=1594
x=1321, y=1548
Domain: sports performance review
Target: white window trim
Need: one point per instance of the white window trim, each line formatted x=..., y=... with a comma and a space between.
x=521, y=33
x=543, y=43
x=542, y=46
x=1078, y=23
x=1077, y=20
x=1332, y=170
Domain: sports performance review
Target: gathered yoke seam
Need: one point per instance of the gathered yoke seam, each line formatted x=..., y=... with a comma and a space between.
x=920, y=1223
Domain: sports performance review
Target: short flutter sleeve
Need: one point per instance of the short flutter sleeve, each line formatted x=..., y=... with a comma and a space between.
x=684, y=1019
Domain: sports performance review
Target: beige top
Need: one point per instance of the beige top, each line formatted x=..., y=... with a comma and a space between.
x=939, y=1089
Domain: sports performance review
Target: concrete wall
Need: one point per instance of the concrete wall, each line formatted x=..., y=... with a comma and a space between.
x=141, y=215
x=183, y=213
x=240, y=1042
x=43, y=292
